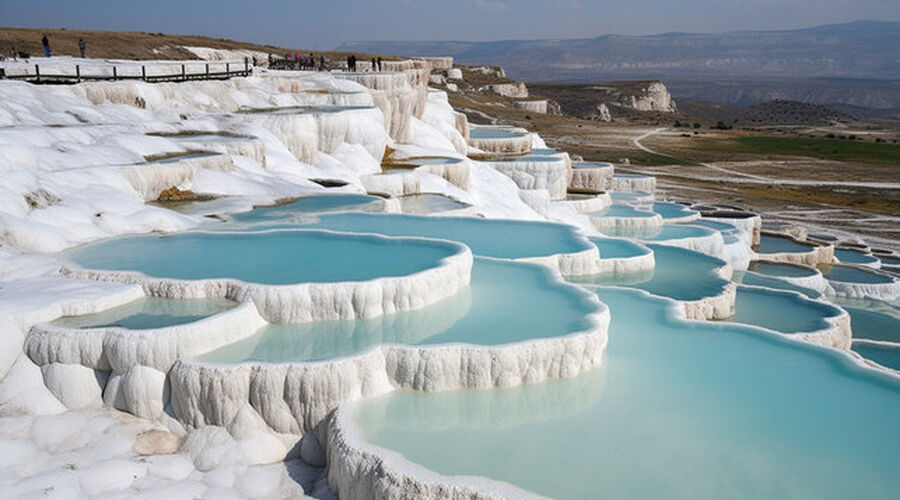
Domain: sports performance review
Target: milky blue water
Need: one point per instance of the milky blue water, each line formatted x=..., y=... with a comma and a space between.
x=783, y=312
x=544, y=151
x=853, y=256
x=149, y=312
x=310, y=205
x=777, y=244
x=633, y=176
x=729, y=233
x=274, y=258
x=208, y=137
x=429, y=203
x=626, y=211
x=668, y=279
x=186, y=156
x=678, y=410
x=852, y=274
x=505, y=239
x=493, y=133
x=890, y=261
x=673, y=210
x=505, y=302
x=588, y=164
x=783, y=269
x=618, y=248
x=430, y=160
x=872, y=319
x=755, y=279
x=680, y=231
x=529, y=158
x=295, y=110
x=885, y=355
x=632, y=196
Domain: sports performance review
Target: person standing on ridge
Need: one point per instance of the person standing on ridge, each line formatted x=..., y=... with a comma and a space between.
x=374, y=65
x=46, y=44
x=321, y=63
x=81, y=47
x=379, y=64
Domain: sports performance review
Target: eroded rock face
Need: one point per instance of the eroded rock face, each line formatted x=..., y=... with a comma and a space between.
x=516, y=89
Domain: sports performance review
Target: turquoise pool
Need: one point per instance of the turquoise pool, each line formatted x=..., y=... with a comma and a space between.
x=618, y=248
x=782, y=244
x=506, y=302
x=679, y=232
x=678, y=410
x=322, y=203
x=499, y=238
x=494, y=133
x=429, y=203
x=668, y=278
x=149, y=312
x=853, y=274
x=848, y=256
x=669, y=210
x=872, y=319
x=885, y=355
x=783, y=312
x=779, y=269
x=272, y=257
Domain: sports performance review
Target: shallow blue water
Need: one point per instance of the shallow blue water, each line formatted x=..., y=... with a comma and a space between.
x=680, y=231
x=885, y=355
x=616, y=248
x=782, y=269
x=872, y=319
x=295, y=110
x=493, y=133
x=626, y=196
x=529, y=158
x=852, y=274
x=668, y=279
x=274, y=258
x=890, y=261
x=632, y=176
x=149, y=312
x=430, y=160
x=672, y=210
x=429, y=203
x=505, y=239
x=625, y=211
x=853, y=256
x=186, y=156
x=783, y=312
x=678, y=410
x=310, y=205
x=544, y=151
x=208, y=137
x=777, y=244
x=755, y=279
x=506, y=302
x=587, y=164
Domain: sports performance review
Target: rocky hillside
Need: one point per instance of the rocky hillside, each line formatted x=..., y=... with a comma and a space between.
x=606, y=101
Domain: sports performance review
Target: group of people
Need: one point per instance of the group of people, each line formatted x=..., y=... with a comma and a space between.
x=351, y=63
x=297, y=61
x=45, y=42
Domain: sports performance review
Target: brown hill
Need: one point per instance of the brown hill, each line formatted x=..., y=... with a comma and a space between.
x=127, y=45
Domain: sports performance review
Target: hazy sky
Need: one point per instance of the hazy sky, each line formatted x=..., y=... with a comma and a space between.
x=323, y=24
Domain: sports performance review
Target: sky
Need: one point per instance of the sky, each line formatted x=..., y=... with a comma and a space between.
x=324, y=24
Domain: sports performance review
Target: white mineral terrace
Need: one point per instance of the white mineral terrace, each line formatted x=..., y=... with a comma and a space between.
x=201, y=282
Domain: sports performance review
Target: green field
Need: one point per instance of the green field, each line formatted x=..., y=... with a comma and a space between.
x=826, y=149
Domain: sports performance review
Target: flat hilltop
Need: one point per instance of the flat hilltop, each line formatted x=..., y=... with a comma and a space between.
x=133, y=45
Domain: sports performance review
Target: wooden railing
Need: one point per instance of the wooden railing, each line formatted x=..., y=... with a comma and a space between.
x=183, y=76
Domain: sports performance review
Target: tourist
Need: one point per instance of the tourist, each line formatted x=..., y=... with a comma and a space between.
x=81, y=47
x=374, y=65
x=379, y=64
x=321, y=63
x=46, y=44
x=311, y=61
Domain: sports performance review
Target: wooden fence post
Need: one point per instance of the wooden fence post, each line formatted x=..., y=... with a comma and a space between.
x=37, y=71
x=183, y=74
x=227, y=69
x=246, y=65
x=143, y=73
x=207, y=70
x=78, y=73
x=115, y=74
